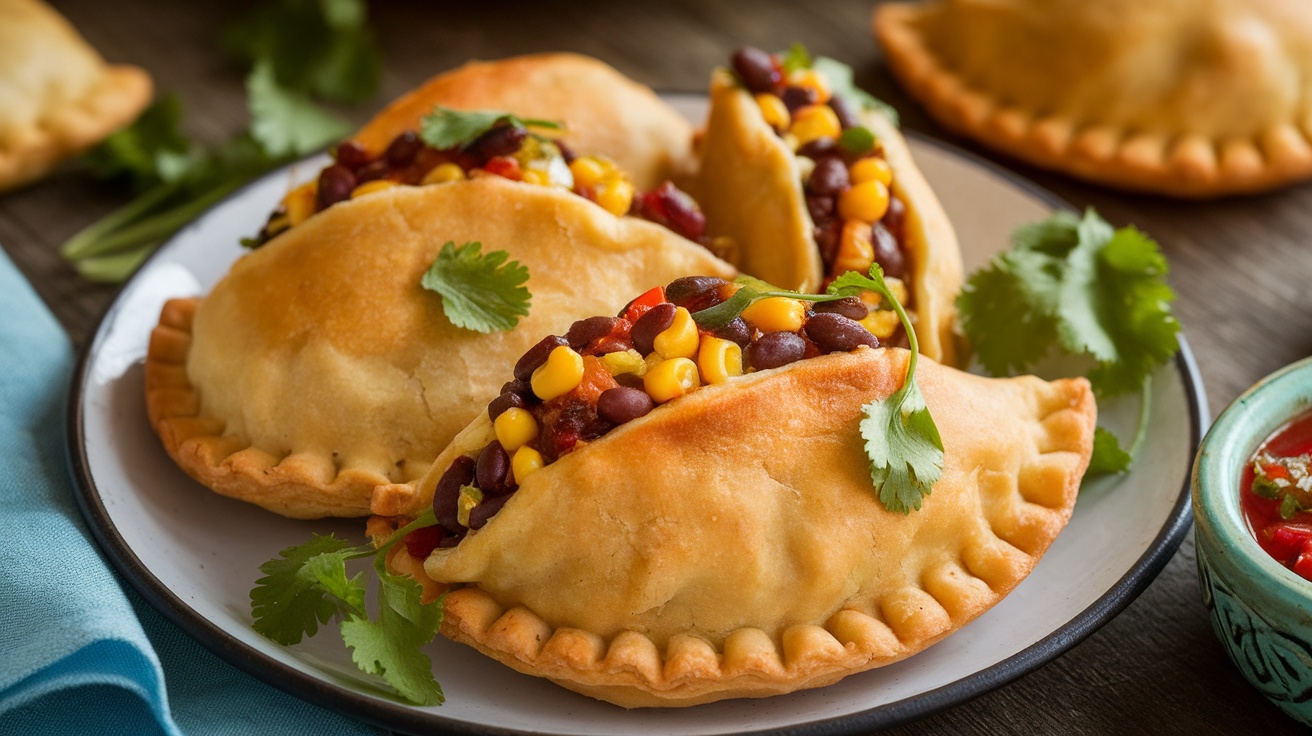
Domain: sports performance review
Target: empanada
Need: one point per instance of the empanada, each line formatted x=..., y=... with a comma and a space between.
x=57, y=95
x=803, y=209
x=730, y=543
x=1178, y=97
x=319, y=367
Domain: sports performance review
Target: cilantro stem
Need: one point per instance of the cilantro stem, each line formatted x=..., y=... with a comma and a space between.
x=1145, y=409
x=84, y=243
x=114, y=267
x=424, y=520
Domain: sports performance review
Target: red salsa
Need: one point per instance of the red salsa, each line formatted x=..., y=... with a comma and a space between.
x=1276, y=495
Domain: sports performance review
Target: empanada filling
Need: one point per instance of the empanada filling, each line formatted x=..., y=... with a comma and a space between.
x=571, y=389
x=845, y=176
x=507, y=150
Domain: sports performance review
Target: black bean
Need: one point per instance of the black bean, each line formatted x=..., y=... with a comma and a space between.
x=451, y=540
x=828, y=236
x=819, y=207
x=888, y=254
x=688, y=287
x=461, y=473
x=479, y=515
x=623, y=404
x=796, y=98
x=632, y=380
x=820, y=148
x=849, y=306
x=402, y=150
x=651, y=324
x=756, y=68
x=493, y=469
x=351, y=155
x=829, y=177
x=737, y=331
x=517, y=386
x=848, y=117
x=502, y=140
x=583, y=332
x=895, y=218
x=835, y=333
x=775, y=349
x=335, y=185
x=373, y=170
x=500, y=404
x=536, y=356
x=566, y=152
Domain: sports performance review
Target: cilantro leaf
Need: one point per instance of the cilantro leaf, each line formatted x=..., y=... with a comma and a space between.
x=390, y=646
x=1108, y=457
x=840, y=79
x=305, y=587
x=1081, y=286
x=479, y=291
x=795, y=58
x=902, y=440
x=140, y=151
x=287, y=123
x=445, y=128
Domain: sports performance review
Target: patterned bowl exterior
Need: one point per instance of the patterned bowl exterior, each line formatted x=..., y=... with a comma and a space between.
x=1260, y=611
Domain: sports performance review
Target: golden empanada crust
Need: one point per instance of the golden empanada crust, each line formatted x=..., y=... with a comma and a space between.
x=603, y=111
x=750, y=188
x=57, y=95
x=1177, y=97
x=319, y=367
x=750, y=555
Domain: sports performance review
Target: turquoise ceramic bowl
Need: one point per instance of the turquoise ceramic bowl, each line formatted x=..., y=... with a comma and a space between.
x=1261, y=611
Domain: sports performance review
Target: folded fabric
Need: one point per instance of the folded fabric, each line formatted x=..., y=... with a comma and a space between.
x=77, y=653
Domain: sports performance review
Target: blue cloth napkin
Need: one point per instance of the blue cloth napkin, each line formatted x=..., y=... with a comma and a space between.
x=79, y=652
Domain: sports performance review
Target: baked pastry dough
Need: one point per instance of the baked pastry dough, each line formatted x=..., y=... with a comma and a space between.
x=319, y=368
x=603, y=111
x=751, y=556
x=57, y=96
x=749, y=185
x=1191, y=99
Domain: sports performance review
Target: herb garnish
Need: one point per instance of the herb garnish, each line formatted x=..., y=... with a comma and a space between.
x=296, y=48
x=902, y=441
x=307, y=585
x=445, y=128
x=1088, y=290
x=480, y=291
x=840, y=79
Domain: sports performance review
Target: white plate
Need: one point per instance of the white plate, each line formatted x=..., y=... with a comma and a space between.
x=195, y=555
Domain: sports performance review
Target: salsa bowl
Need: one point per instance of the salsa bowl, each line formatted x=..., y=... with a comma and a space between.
x=1260, y=610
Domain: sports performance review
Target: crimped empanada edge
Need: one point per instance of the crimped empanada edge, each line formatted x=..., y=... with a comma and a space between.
x=1189, y=166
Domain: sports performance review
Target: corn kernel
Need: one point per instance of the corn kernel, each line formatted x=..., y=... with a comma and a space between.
x=559, y=375
x=627, y=361
x=525, y=462
x=719, y=360
x=670, y=379
x=587, y=171
x=882, y=324
x=616, y=197
x=679, y=340
x=776, y=313
x=895, y=286
x=444, y=173
x=515, y=428
x=300, y=203
x=814, y=122
x=534, y=176
x=469, y=498
x=871, y=168
x=369, y=187
x=651, y=361
x=867, y=201
x=773, y=110
x=811, y=79
x=855, y=251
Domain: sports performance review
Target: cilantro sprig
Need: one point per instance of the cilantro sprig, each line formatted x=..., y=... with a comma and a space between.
x=902, y=441
x=445, y=128
x=307, y=585
x=480, y=291
x=297, y=49
x=1077, y=286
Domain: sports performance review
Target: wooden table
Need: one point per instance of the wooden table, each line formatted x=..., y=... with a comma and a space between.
x=1241, y=268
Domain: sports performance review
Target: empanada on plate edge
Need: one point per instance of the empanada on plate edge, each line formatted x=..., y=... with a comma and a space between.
x=750, y=556
x=320, y=368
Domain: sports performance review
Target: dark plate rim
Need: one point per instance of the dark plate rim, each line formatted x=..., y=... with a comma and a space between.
x=411, y=720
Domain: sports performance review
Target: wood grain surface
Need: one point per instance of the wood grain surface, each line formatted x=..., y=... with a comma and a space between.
x=1241, y=267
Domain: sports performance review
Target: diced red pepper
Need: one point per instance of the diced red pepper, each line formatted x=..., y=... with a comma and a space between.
x=1288, y=541
x=644, y=303
x=420, y=543
x=503, y=166
x=1275, y=470
x=1303, y=565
